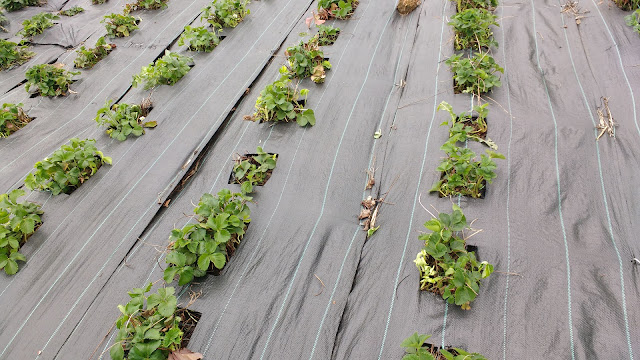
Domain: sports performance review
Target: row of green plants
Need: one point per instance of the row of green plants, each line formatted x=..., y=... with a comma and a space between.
x=416, y=348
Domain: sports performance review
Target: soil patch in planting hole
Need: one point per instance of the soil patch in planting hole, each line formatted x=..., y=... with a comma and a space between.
x=483, y=191
x=435, y=351
x=189, y=320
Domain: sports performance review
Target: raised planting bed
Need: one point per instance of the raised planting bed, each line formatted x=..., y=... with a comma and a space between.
x=446, y=267
x=123, y=120
x=67, y=168
x=469, y=126
x=307, y=60
x=49, y=80
x=336, y=9
x=417, y=348
x=87, y=58
x=12, y=119
x=167, y=70
x=18, y=221
x=12, y=54
x=253, y=169
x=225, y=13
x=475, y=73
x=208, y=244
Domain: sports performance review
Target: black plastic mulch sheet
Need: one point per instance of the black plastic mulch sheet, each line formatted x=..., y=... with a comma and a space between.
x=305, y=282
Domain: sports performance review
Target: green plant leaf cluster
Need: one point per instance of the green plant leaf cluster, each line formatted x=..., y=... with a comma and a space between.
x=37, y=24
x=167, y=70
x=199, y=39
x=279, y=102
x=12, y=54
x=196, y=248
x=446, y=267
x=253, y=170
x=338, y=9
x=627, y=4
x=12, y=119
x=13, y=5
x=87, y=58
x=467, y=126
x=225, y=13
x=119, y=25
x=67, y=168
x=145, y=5
x=149, y=327
x=50, y=80
x=472, y=29
x=307, y=60
x=123, y=120
x=476, y=74
x=3, y=21
x=17, y=222
x=633, y=20
x=463, y=5
x=72, y=11
x=327, y=35
x=415, y=349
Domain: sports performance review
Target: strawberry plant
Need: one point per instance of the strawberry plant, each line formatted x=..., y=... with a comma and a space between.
x=225, y=13
x=12, y=119
x=446, y=267
x=72, y=11
x=86, y=59
x=469, y=127
x=415, y=348
x=119, y=25
x=307, y=60
x=13, y=5
x=50, y=80
x=199, y=39
x=3, y=21
x=123, y=120
x=253, y=170
x=155, y=330
x=12, y=54
x=67, y=168
x=327, y=35
x=145, y=5
x=338, y=9
x=462, y=173
x=633, y=20
x=472, y=29
x=17, y=222
x=475, y=74
x=279, y=102
x=463, y=5
x=167, y=70
x=208, y=244
x=625, y=4
x=37, y=24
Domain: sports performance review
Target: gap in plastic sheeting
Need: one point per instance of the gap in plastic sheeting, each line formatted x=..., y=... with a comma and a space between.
x=188, y=322
x=249, y=157
x=483, y=192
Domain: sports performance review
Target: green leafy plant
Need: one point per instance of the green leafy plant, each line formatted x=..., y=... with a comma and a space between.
x=627, y=4
x=253, y=169
x=50, y=80
x=208, y=244
x=72, y=11
x=225, y=13
x=12, y=54
x=633, y=20
x=469, y=127
x=462, y=173
x=472, y=29
x=37, y=24
x=475, y=74
x=446, y=267
x=119, y=25
x=3, y=21
x=167, y=70
x=415, y=349
x=327, y=35
x=67, y=168
x=279, y=102
x=17, y=222
x=153, y=330
x=145, y=5
x=199, y=39
x=479, y=4
x=12, y=119
x=13, y=5
x=338, y=9
x=86, y=59
x=307, y=60
x=123, y=120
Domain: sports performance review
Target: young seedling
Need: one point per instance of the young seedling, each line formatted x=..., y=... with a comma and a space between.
x=199, y=39
x=13, y=5
x=67, y=168
x=469, y=127
x=18, y=221
x=278, y=102
x=446, y=267
x=416, y=349
x=474, y=74
x=152, y=327
x=253, y=170
x=37, y=24
x=472, y=29
x=490, y=5
x=462, y=174
x=633, y=20
x=167, y=70
x=118, y=25
x=225, y=13
x=145, y=5
x=336, y=9
x=307, y=60
x=50, y=80
x=327, y=35
x=12, y=54
x=123, y=120
x=12, y=119
x=86, y=59
x=72, y=11
x=208, y=244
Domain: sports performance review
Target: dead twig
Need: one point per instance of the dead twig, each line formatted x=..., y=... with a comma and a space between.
x=321, y=290
x=571, y=7
x=606, y=123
